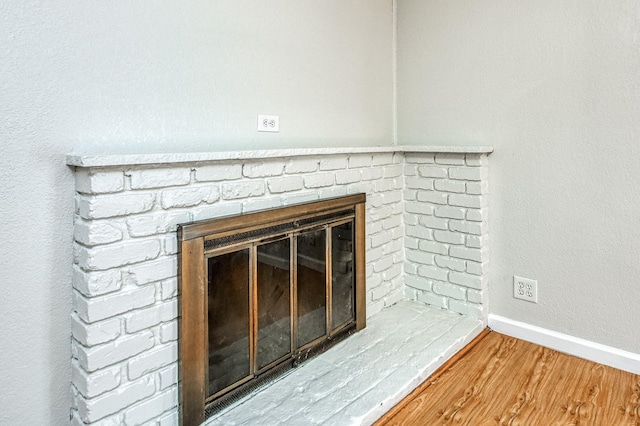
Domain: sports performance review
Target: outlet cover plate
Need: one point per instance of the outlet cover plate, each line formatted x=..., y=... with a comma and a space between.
x=268, y=123
x=525, y=289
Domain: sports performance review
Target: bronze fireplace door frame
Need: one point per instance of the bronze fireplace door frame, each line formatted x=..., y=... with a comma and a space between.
x=192, y=282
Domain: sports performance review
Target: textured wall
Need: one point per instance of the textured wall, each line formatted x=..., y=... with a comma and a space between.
x=97, y=77
x=554, y=87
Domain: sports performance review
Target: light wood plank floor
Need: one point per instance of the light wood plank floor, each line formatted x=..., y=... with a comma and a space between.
x=500, y=380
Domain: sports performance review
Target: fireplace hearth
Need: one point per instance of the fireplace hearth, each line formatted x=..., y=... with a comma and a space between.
x=262, y=292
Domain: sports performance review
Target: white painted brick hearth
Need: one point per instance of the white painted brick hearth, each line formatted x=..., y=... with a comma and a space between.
x=426, y=241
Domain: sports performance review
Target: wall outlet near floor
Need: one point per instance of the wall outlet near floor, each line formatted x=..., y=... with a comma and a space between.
x=525, y=289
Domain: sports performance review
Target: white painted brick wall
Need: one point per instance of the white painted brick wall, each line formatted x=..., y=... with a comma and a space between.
x=240, y=190
x=260, y=204
x=156, y=223
x=337, y=162
x=381, y=159
x=450, y=186
x=168, y=376
x=99, y=182
x=216, y=210
x=218, y=172
x=99, y=407
x=169, y=419
x=142, y=319
x=145, y=363
x=263, y=169
x=296, y=198
x=362, y=160
x=159, y=177
x=103, y=206
x=447, y=158
x=447, y=214
x=95, y=333
x=111, y=256
x=393, y=171
x=169, y=288
x=372, y=174
x=101, y=307
x=426, y=240
x=285, y=184
x=169, y=332
x=348, y=176
x=96, y=233
x=419, y=158
x=432, y=172
x=468, y=173
x=91, y=385
x=384, y=185
x=151, y=407
x=319, y=180
x=188, y=197
x=450, y=263
x=96, y=283
x=433, y=247
x=302, y=165
x=96, y=357
x=152, y=271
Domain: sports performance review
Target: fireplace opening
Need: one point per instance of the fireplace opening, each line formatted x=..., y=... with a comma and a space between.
x=262, y=292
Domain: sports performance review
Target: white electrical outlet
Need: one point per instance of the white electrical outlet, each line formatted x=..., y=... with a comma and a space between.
x=268, y=123
x=525, y=289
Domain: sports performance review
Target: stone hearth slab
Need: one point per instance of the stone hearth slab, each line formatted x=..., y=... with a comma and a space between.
x=361, y=378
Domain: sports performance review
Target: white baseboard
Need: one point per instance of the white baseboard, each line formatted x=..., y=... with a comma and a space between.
x=581, y=348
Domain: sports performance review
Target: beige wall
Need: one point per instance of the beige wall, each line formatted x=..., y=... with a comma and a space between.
x=127, y=76
x=555, y=87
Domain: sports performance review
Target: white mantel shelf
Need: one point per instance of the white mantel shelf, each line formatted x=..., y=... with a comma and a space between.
x=112, y=160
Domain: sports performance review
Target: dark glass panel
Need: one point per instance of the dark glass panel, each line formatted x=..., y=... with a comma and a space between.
x=342, y=274
x=311, y=291
x=228, y=282
x=274, y=316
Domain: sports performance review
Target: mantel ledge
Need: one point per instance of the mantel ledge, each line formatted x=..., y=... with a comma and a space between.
x=114, y=160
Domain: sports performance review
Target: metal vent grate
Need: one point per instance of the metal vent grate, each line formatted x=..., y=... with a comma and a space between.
x=272, y=230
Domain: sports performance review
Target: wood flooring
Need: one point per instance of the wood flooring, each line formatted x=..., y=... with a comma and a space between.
x=500, y=380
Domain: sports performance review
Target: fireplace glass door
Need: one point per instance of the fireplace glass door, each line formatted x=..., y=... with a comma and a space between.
x=261, y=292
x=312, y=286
x=274, y=302
x=272, y=297
x=229, y=319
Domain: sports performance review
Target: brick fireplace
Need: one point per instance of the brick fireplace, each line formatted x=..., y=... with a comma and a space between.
x=426, y=221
